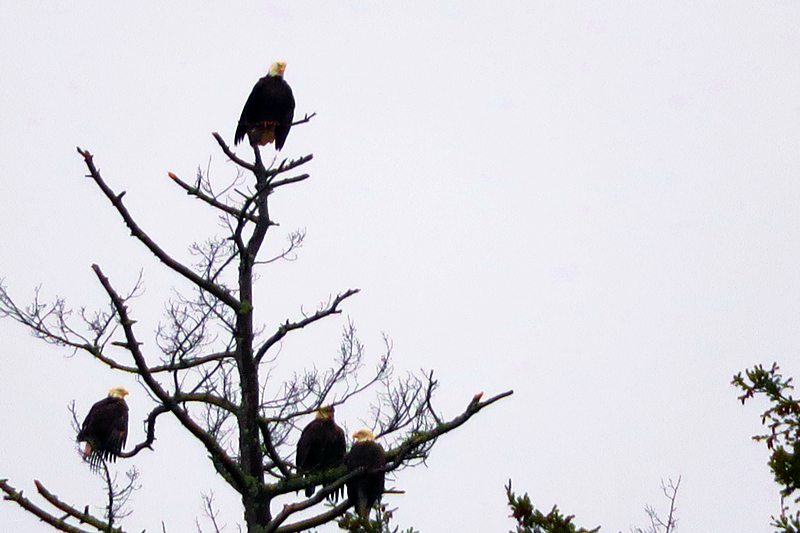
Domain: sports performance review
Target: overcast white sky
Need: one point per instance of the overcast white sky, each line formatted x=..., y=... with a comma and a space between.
x=595, y=204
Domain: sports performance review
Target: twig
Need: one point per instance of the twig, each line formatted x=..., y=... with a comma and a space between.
x=197, y=193
x=284, y=167
x=306, y=118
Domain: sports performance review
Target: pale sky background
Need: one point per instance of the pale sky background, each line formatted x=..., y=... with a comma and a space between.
x=593, y=204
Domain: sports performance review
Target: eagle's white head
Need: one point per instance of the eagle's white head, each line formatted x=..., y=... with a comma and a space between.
x=277, y=68
x=364, y=435
x=118, y=392
x=325, y=413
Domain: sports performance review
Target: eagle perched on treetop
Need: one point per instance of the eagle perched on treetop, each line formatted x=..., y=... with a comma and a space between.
x=269, y=110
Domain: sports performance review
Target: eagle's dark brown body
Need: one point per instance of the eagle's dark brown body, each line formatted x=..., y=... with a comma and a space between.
x=105, y=430
x=268, y=113
x=322, y=445
x=365, y=489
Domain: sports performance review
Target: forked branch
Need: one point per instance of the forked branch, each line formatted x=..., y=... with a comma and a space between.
x=58, y=523
x=210, y=200
x=418, y=439
x=116, y=200
x=133, y=346
x=331, y=309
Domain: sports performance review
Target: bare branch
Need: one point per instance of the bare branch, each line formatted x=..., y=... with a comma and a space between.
x=331, y=309
x=671, y=492
x=213, y=202
x=241, y=162
x=321, y=495
x=17, y=497
x=306, y=118
x=82, y=516
x=151, y=432
x=288, y=181
x=49, y=322
x=397, y=455
x=219, y=456
x=117, y=496
x=172, y=367
x=295, y=239
x=272, y=452
x=657, y=525
x=318, y=520
x=283, y=167
x=287, y=166
x=210, y=512
x=222, y=403
x=415, y=445
x=116, y=200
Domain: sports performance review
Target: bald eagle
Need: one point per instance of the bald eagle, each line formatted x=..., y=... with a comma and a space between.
x=322, y=445
x=105, y=428
x=365, y=489
x=268, y=113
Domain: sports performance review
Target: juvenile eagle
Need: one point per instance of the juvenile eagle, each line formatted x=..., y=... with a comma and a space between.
x=269, y=110
x=322, y=445
x=105, y=428
x=365, y=489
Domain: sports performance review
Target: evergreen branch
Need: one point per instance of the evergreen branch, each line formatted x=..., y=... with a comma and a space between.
x=532, y=520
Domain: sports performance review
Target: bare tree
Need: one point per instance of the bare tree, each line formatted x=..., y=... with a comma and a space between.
x=211, y=369
x=658, y=524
